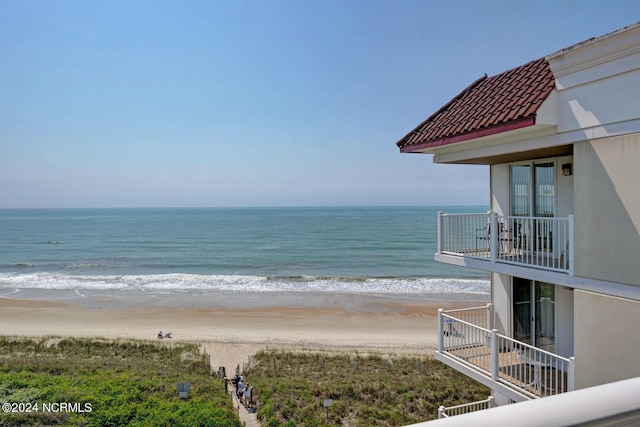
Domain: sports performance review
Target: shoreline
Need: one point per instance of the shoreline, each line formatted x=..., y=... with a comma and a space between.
x=231, y=332
x=237, y=299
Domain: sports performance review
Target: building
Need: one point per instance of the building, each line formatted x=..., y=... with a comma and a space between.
x=561, y=136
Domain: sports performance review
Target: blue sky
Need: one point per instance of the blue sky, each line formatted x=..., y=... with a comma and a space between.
x=254, y=103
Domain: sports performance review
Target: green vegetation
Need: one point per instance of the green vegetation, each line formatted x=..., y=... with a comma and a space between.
x=134, y=382
x=365, y=390
x=95, y=382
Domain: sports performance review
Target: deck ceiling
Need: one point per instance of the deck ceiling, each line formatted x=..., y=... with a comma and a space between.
x=564, y=150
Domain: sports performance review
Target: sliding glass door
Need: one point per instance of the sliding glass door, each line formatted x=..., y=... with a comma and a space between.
x=521, y=190
x=533, y=195
x=544, y=192
x=544, y=205
x=522, y=310
x=534, y=320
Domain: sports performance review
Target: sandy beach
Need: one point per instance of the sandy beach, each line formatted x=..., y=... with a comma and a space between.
x=232, y=329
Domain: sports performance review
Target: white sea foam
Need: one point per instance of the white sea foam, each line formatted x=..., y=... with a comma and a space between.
x=186, y=283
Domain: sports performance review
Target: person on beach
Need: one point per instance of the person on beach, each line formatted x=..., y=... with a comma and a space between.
x=247, y=395
x=240, y=388
x=222, y=372
x=236, y=380
x=160, y=335
x=222, y=375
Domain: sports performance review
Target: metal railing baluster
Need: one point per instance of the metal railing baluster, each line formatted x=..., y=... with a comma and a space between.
x=528, y=369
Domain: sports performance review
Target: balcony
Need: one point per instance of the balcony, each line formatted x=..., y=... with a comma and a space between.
x=513, y=368
x=486, y=240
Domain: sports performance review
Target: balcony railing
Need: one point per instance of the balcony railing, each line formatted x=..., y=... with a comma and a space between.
x=446, y=412
x=530, y=371
x=541, y=242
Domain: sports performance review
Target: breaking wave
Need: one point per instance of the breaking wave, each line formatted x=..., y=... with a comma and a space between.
x=196, y=283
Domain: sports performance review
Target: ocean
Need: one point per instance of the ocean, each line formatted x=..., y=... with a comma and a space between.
x=71, y=254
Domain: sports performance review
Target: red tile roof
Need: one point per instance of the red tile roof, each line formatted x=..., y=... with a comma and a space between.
x=489, y=105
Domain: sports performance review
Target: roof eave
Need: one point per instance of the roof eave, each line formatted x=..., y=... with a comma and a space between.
x=430, y=147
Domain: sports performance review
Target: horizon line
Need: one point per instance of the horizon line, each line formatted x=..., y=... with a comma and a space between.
x=240, y=207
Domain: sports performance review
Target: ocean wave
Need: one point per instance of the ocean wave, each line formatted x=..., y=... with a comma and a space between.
x=85, y=266
x=167, y=283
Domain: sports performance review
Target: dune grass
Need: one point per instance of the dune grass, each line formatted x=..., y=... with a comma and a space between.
x=133, y=382
x=98, y=382
x=365, y=390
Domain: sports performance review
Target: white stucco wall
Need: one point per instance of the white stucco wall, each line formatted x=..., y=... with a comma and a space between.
x=597, y=83
x=607, y=209
x=564, y=321
x=500, y=189
x=601, y=102
x=598, y=99
x=607, y=338
x=501, y=300
x=564, y=188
